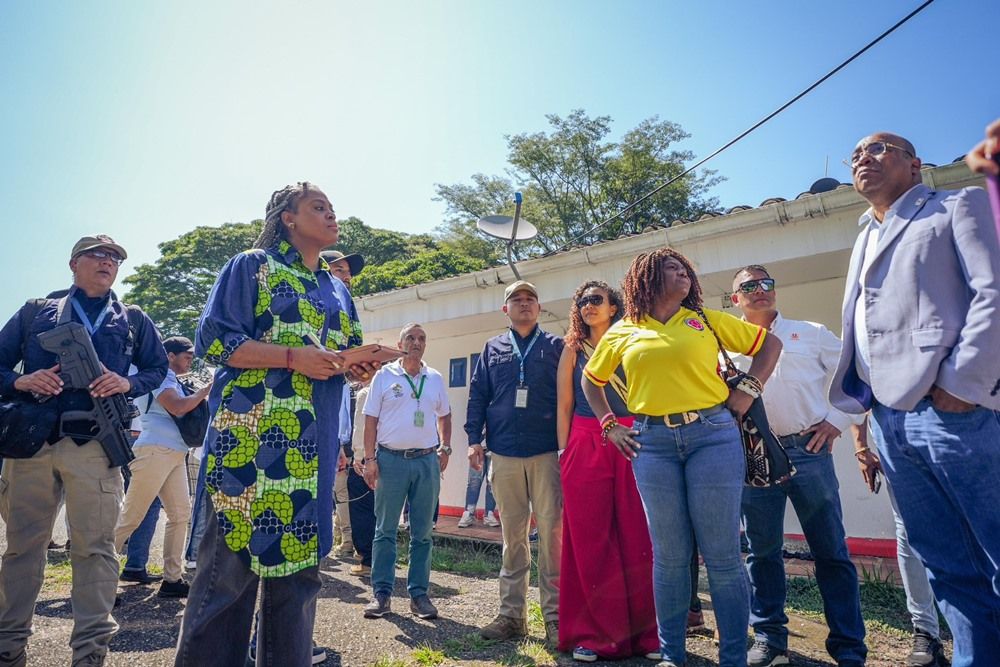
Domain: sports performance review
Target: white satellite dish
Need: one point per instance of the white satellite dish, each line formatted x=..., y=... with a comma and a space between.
x=502, y=227
x=508, y=229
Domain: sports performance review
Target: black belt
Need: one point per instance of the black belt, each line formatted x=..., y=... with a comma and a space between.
x=680, y=418
x=409, y=453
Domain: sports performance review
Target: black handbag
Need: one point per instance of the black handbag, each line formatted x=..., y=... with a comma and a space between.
x=767, y=461
x=25, y=425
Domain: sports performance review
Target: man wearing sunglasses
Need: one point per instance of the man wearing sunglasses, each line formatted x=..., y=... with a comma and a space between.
x=920, y=351
x=30, y=488
x=800, y=414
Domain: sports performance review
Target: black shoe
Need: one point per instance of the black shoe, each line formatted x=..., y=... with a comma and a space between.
x=380, y=605
x=139, y=576
x=53, y=546
x=17, y=659
x=421, y=607
x=174, y=589
x=927, y=651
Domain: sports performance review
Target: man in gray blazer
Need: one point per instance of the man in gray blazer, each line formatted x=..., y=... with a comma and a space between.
x=922, y=352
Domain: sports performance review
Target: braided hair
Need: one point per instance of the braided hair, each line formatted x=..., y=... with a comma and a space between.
x=579, y=330
x=285, y=199
x=644, y=283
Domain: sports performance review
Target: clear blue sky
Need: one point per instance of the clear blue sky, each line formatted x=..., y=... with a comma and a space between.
x=143, y=120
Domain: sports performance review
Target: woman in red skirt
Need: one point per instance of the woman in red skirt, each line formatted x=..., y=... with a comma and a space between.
x=605, y=586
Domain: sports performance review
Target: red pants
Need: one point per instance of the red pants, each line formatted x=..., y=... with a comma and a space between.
x=606, y=581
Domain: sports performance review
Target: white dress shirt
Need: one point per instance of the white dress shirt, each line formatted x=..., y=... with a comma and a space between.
x=795, y=396
x=391, y=400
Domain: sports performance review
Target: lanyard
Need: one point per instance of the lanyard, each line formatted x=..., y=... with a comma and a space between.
x=520, y=358
x=91, y=327
x=416, y=392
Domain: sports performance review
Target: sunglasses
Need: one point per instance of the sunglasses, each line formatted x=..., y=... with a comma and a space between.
x=592, y=300
x=101, y=255
x=750, y=286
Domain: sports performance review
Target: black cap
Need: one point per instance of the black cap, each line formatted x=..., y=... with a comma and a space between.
x=178, y=344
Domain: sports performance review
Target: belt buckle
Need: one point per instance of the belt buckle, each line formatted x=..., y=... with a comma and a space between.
x=410, y=453
x=685, y=419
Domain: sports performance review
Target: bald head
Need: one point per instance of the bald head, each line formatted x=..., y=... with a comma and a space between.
x=884, y=166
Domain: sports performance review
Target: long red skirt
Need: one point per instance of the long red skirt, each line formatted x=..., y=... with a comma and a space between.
x=606, y=580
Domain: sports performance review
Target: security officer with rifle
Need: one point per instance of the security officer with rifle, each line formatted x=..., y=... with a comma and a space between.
x=76, y=352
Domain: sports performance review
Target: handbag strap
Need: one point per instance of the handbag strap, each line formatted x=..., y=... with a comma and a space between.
x=731, y=369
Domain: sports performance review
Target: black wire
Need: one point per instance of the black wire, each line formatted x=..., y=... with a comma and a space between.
x=745, y=132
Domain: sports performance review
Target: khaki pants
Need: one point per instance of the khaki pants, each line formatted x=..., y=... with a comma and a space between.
x=30, y=490
x=342, y=519
x=521, y=485
x=158, y=471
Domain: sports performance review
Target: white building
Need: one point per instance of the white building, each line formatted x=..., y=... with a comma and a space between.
x=805, y=244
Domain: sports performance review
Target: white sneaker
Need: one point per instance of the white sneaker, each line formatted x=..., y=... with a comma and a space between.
x=466, y=519
x=491, y=520
x=191, y=565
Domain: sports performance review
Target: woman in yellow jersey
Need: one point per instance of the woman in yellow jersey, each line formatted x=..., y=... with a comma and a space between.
x=605, y=582
x=685, y=445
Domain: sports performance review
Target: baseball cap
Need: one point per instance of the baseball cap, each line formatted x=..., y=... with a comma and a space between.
x=94, y=242
x=354, y=261
x=519, y=286
x=178, y=344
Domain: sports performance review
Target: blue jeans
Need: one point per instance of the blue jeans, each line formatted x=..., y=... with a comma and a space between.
x=362, y=511
x=945, y=472
x=815, y=495
x=400, y=479
x=199, y=521
x=475, y=485
x=690, y=478
x=220, y=611
x=141, y=538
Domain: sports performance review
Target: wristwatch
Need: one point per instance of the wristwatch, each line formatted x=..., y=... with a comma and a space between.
x=444, y=449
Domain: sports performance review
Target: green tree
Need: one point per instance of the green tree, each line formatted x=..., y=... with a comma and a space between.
x=173, y=290
x=574, y=178
x=422, y=268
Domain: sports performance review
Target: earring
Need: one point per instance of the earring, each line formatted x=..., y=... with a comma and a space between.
x=291, y=225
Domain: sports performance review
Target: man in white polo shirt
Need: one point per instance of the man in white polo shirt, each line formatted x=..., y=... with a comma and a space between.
x=407, y=445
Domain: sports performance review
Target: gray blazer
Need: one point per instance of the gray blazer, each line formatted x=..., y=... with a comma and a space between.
x=932, y=305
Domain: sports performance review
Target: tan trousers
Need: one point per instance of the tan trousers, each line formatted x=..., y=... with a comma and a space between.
x=342, y=518
x=30, y=490
x=158, y=471
x=521, y=485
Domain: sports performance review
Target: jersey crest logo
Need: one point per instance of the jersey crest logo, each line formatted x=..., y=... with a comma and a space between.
x=695, y=324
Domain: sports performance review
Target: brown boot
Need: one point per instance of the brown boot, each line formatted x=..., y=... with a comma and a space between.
x=505, y=627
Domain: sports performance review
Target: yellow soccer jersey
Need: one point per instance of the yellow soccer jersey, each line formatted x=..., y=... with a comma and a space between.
x=673, y=366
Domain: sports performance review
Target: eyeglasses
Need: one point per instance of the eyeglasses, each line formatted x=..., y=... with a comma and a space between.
x=874, y=149
x=101, y=255
x=592, y=300
x=750, y=286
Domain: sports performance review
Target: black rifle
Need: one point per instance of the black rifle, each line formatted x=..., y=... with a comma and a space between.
x=78, y=367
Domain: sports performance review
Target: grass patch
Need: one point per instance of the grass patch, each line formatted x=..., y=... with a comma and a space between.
x=529, y=653
x=385, y=661
x=427, y=656
x=535, y=619
x=58, y=574
x=470, y=643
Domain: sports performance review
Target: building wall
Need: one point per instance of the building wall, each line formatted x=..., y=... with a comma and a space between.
x=805, y=244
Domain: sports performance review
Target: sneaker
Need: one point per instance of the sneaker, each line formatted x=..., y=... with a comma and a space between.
x=584, y=654
x=405, y=523
x=346, y=551
x=466, y=520
x=319, y=655
x=654, y=655
x=505, y=627
x=174, y=589
x=139, y=576
x=669, y=663
x=421, y=607
x=359, y=570
x=380, y=605
x=190, y=565
x=927, y=651
x=696, y=620
x=92, y=660
x=762, y=654
x=533, y=535
x=53, y=546
x=19, y=659
x=490, y=519
x=552, y=632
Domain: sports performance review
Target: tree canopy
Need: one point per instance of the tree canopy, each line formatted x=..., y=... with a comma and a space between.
x=574, y=178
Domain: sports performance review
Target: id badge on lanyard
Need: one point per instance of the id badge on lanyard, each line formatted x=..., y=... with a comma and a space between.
x=521, y=391
x=521, y=397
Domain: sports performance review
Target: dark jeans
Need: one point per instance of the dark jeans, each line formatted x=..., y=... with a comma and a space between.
x=815, y=495
x=944, y=468
x=216, y=627
x=199, y=521
x=362, y=509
